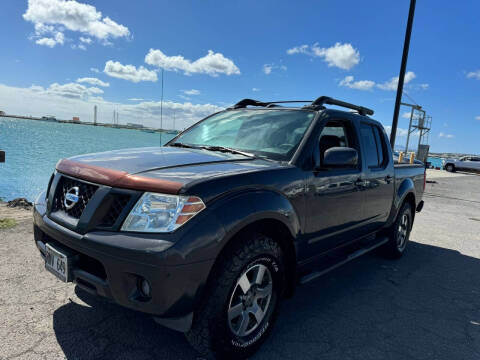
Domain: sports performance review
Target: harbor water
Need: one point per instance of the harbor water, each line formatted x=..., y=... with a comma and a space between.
x=34, y=147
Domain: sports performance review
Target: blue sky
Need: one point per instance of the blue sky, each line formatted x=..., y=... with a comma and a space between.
x=58, y=57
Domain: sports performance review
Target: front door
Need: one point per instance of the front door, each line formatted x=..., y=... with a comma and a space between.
x=334, y=199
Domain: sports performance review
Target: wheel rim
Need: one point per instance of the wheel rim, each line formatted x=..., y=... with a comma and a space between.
x=402, y=232
x=449, y=167
x=250, y=300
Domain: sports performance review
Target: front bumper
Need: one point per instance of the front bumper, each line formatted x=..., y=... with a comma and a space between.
x=110, y=264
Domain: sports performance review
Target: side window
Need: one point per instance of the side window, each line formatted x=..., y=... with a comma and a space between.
x=381, y=146
x=336, y=134
x=368, y=139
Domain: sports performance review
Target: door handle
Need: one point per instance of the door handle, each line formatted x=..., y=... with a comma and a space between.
x=388, y=178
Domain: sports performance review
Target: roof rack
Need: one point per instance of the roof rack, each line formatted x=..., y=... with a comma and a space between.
x=330, y=101
x=316, y=104
x=246, y=102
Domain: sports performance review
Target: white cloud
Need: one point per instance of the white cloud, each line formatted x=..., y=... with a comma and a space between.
x=85, y=40
x=268, y=68
x=255, y=89
x=406, y=115
x=55, y=16
x=343, y=56
x=477, y=118
x=58, y=38
x=36, y=88
x=392, y=84
x=424, y=86
x=474, y=74
x=93, y=81
x=191, y=92
x=136, y=99
x=38, y=101
x=212, y=64
x=400, y=131
x=129, y=72
x=348, y=81
x=71, y=90
x=443, y=135
x=46, y=42
x=302, y=49
x=95, y=70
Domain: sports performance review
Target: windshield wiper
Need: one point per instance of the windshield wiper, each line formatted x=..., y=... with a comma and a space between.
x=179, y=144
x=226, y=149
x=213, y=148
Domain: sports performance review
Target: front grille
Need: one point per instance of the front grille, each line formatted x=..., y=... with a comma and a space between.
x=118, y=204
x=85, y=193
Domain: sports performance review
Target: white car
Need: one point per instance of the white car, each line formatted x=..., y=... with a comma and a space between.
x=468, y=163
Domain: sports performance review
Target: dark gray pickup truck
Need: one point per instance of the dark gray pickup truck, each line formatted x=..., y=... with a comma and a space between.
x=211, y=231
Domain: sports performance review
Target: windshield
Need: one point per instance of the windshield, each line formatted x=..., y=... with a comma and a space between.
x=275, y=134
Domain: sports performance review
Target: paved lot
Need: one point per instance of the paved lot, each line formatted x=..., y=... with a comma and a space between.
x=424, y=306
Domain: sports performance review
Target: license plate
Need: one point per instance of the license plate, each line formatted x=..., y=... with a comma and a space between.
x=57, y=263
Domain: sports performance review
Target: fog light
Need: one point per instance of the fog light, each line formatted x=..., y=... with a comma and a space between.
x=145, y=288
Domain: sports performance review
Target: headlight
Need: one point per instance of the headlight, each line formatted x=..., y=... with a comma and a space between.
x=159, y=213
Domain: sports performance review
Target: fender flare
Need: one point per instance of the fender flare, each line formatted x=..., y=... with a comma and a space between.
x=253, y=206
x=406, y=188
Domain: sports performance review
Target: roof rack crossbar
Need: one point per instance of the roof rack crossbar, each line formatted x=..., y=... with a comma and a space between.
x=318, y=103
x=330, y=101
x=250, y=102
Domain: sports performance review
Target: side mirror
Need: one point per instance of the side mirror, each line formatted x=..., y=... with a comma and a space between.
x=340, y=157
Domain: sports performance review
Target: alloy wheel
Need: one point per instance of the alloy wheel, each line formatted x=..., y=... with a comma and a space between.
x=402, y=232
x=250, y=300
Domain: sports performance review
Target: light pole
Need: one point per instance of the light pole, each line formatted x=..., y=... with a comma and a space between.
x=161, y=113
x=403, y=65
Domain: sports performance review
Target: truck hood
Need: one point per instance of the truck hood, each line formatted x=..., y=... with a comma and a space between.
x=159, y=169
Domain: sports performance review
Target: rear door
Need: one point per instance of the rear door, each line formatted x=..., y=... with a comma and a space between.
x=476, y=163
x=471, y=163
x=378, y=182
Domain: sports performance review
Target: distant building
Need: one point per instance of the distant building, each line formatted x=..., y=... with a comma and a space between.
x=76, y=119
x=2, y=113
x=49, y=118
x=135, y=126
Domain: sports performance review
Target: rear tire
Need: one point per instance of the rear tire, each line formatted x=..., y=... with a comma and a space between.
x=450, y=168
x=399, y=233
x=241, y=302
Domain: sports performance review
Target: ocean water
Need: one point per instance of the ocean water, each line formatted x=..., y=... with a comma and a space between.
x=34, y=147
x=436, y=162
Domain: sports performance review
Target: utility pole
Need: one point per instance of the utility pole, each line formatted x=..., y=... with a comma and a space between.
x=161, y=113
x=403, y=65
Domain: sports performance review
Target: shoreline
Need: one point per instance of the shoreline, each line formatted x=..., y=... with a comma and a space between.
x=115, y=126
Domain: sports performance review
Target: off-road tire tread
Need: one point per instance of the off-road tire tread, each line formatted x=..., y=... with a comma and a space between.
x=225, y=274
x=390, y=250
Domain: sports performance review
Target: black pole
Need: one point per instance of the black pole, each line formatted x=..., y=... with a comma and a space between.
x=406, y=46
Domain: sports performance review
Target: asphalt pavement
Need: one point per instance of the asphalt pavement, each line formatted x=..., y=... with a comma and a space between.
x=423, y=306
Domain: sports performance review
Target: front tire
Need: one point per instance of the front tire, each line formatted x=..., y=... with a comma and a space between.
x=399, y=233
x=241, y=302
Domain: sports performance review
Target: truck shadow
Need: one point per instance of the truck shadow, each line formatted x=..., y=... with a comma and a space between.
x=425, y=305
